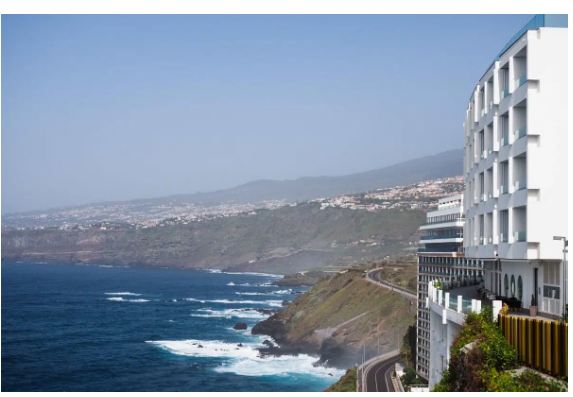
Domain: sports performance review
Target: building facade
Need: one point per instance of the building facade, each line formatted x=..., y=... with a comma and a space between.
x=515, y=167
x=440, y=259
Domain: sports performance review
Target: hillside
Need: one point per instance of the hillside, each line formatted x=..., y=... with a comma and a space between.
x=267, y=194
x=429, y=167
x=285, y=240
x=339, y=316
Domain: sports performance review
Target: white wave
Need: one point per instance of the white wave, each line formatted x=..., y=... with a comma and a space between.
x=231, y=284
x=230, y=313
x=256, y=274
x=122, y=293
x=120, y=299
x=246, y=360
x=273, y=303
x=253, y=293
x=283, y=292
x=214, y=270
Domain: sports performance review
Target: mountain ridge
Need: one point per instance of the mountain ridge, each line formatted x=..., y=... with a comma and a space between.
x=444, y=164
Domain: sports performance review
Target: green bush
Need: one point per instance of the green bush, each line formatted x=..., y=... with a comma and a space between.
x=475, y=369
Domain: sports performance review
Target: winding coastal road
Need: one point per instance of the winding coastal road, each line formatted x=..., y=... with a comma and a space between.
x=379, y=376
x=376, y=374
x=374, y=277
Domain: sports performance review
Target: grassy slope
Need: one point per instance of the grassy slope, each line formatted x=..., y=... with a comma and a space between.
x=340, y=298
x=347, y=383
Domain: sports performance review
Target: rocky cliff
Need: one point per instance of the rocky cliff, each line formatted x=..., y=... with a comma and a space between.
x=341, y=318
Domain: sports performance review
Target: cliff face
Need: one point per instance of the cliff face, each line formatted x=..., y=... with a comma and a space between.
x=339, y=316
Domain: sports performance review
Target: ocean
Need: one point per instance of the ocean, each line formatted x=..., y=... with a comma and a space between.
x=103, y=328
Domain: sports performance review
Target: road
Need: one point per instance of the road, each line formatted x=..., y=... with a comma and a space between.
x=378, y=376
x=373, y=276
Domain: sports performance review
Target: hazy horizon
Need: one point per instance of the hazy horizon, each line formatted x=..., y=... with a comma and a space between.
x=114, y=108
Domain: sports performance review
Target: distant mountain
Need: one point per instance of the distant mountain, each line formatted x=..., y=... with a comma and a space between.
x=441, y=165
x=261, y=193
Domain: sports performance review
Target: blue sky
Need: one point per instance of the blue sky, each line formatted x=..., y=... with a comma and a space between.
x=98, y=108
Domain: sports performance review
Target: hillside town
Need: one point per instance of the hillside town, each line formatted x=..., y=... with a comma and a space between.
x=146, y=214
x=422, y=195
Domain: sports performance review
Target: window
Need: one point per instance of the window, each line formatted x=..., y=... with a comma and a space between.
x=505, y=286
x=504, y=177
x=512, y=286
x=519, y=288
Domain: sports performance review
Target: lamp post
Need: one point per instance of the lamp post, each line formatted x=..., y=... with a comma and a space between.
x=564, y=272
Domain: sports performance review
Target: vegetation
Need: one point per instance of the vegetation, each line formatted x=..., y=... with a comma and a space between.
x=340, y=315
x=410, y=378
x=347, y=383
x=400, y=271
x=482, y=360
x=408, y=349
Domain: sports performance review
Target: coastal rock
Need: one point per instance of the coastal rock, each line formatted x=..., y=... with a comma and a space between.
x=240, y=326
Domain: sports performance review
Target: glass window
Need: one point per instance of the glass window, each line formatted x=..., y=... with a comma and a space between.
x=512, y=286
x=519, y=288
x=505, y=285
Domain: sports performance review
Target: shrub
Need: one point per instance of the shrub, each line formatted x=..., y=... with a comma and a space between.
x=491, y=353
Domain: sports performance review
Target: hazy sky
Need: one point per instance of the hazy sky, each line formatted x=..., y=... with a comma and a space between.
x=101, y=108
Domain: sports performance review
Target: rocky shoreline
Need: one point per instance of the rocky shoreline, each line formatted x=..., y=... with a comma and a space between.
x=338, y=319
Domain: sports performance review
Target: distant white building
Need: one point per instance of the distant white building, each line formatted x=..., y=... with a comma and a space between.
x=515, y=166
x=441, y=259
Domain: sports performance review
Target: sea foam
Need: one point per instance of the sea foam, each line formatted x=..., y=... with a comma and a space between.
x=270, y=302
x=122, y=293
x=121, y=299
x=230, y=313
x=246, y=360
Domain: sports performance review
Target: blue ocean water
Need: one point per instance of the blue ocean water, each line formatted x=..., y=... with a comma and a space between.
x=99, y=328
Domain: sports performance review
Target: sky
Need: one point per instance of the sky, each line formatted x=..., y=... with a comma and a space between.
x=118, y=107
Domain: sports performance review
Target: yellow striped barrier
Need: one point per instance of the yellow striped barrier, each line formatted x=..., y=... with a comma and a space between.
x=541, y=344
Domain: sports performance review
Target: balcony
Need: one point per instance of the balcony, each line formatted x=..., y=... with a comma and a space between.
x=521, y=80
x=504, y=141
x=520, y=132
x=441, y=237
x=503, y=238
x=519, y=185
x=519, y=236
x=504, y=93
x=503, y=189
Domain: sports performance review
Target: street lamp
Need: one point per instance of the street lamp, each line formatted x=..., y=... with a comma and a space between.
x=564, y=271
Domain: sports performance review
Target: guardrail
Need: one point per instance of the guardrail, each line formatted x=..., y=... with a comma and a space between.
x=390, y=286
x=363, y=369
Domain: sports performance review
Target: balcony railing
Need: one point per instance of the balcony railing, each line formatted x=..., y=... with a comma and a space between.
x=504, y=93
x=519, y=236
x=519, y=185
x=504, y=140
x=521, y=80
x=520, y=132
x=438, y=237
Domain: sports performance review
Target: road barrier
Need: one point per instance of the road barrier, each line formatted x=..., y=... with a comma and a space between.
x=541, y=344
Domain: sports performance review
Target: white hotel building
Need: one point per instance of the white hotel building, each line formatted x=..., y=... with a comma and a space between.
x=515, y=167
